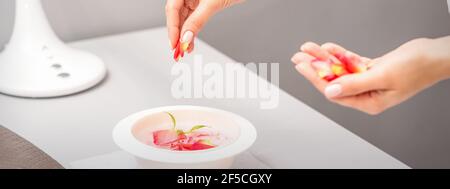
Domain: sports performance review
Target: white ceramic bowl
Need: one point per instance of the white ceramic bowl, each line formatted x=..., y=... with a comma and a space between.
x=134, y=135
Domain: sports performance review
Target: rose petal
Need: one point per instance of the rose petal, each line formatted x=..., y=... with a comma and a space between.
x=324, y=70
x=164, y=137
x=352, y=64
x=197, y=146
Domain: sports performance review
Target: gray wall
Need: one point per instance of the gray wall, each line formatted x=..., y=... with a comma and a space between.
x=416, y=132
x=80, y=19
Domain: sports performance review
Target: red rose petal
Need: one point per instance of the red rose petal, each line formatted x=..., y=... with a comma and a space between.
x=165, y=137
x=352, y=64
x=330, y=78
x=324, y=70
x=201, y=146
x=197, y=146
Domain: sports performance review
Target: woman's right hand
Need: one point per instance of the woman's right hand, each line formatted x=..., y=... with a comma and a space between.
x=185, y=18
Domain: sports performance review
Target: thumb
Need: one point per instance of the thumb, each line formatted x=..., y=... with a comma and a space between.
x=195, y=22
x=355, y=84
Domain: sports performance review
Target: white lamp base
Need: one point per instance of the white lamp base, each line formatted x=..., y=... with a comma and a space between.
x=37, y=64
x=50, y=72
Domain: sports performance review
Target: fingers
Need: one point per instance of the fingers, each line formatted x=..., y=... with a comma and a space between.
x=191, y=4
x=310, y=74
x=344, y=55
x=334, y=49
x=348, y=85
x=173, y=21
x=185, y=19
x=356, y=84
x=367, y=102
x=315, y=50
x=198, y=18
x=184, y=13
x=370, y=103
x=337, y=50
x=301, y=57
x=304, y=67
x=361, y=90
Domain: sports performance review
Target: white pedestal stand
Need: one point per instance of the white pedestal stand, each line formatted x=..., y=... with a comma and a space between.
x=37, y=64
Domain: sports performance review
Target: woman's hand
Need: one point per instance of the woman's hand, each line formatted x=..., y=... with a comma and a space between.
x=390, y=79
x=187, y=17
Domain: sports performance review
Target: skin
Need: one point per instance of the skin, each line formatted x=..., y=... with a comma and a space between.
x=391, y=79
x=191, y=15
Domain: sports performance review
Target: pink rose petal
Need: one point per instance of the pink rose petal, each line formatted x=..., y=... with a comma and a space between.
x=164, y=137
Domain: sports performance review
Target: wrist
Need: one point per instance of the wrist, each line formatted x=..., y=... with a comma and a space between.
x=446, y=64
x=439, y=56
x=446, y=56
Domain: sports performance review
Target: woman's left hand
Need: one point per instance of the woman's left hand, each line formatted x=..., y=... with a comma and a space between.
x=391, y=79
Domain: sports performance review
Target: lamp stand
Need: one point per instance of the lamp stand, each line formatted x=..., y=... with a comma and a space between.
x=37, y=64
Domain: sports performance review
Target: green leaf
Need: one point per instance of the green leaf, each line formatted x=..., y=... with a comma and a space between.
x=174, y=121
x=180, y=132
x=197, y=127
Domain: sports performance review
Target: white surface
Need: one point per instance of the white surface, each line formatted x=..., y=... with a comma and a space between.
x=448, y=4
x=124, y=160
x=79, y=127
x=239, y=130
x=37, y=64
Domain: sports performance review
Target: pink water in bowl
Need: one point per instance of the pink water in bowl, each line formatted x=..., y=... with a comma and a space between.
x=213, y=131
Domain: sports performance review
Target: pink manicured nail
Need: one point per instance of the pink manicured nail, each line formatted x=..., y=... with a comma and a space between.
x=333, y=90
x=186, y=40
x=187, y=37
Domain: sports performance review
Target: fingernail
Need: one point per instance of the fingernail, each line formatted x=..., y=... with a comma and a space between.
x=294, y=59
x=333, y=90
x=187, y=37
x=186, y=40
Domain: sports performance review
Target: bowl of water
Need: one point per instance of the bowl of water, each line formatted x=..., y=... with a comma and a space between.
x=184, y=137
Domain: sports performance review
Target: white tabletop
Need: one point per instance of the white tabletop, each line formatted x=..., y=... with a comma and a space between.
x=79, y=127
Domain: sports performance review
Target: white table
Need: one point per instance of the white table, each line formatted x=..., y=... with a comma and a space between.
x=77, y=127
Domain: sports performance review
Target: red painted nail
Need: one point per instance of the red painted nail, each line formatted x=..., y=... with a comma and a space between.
x=176, y=55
